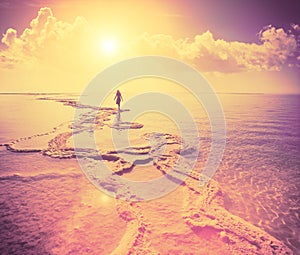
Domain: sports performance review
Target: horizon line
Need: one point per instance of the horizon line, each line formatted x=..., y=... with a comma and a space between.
x=78, y=93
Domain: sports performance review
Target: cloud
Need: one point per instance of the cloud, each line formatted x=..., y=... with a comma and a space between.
x=10, y=37
x=45, y=40
x=209, y=54
x=296, y=27
x=70, y=46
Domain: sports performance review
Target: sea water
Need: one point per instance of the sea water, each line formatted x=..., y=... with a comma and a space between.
x=259, y=173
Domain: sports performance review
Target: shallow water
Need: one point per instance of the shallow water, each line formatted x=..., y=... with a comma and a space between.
x=23, y=115
x=260, y=170
x=259, y=173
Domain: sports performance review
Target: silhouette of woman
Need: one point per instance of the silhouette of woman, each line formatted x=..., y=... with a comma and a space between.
x=119, y=97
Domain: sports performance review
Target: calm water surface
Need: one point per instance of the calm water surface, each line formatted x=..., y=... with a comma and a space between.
x=259, y=173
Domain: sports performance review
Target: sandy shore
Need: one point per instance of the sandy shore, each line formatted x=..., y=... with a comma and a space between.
x=58, y=211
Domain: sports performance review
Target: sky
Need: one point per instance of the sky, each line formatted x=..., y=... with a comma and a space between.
x=239, y=46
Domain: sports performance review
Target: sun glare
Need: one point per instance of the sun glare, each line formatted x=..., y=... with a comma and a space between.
x=109, y=46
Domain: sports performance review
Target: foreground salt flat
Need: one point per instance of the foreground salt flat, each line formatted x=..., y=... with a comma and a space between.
x=83, y=220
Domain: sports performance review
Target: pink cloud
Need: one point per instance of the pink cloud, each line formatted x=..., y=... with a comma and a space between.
x=210, y=54
x=68, y=45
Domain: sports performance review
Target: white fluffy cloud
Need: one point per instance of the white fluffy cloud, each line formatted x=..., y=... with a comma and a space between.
x=46, y=39
x=209, y=54
x=59, y=43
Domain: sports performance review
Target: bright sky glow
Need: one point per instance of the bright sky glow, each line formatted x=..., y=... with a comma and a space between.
x=109, y=46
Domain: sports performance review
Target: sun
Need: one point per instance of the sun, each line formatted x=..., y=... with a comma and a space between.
x=109, y=46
